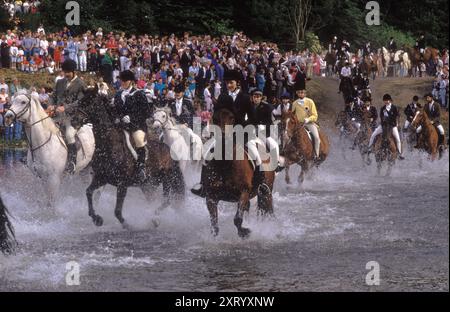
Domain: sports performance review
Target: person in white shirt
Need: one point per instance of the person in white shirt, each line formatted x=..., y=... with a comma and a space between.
x=207, y=97
x=217, y=89
x=4, y=85
x=14, y=52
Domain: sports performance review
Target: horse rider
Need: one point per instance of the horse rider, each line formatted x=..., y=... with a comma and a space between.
x=333, y=46
x=263, y=120
x=345, y=48
x=389, y=114
x=433, y=111
x=410, y=112
x=366, y=52
x=284, y=106
x=237, y=102
x=421, y=45
x=132, y=109
x=305, y=110
x=373, y=114
x=392, y=47
x=181, y=107
x=68, y=91
x=346, y=73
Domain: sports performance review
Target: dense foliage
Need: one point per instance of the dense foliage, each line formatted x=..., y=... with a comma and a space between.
x=262, y=19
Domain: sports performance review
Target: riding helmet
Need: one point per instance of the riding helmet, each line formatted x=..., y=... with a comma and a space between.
x=429, y=94
x=387, y=97
x=127, y=75
x=69, y=66
x=286, y=95
x=232, y=74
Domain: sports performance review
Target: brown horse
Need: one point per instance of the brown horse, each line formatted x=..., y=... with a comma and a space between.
x=347, y=131
x=363, y=136
x=298, y=147
x=429, y=136
x=233, y=181
x=114, y=164
x=385, y=149
x=7, y=238
x=369, y=65
x=416, y=58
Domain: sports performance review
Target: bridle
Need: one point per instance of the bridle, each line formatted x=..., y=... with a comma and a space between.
x=16, y=116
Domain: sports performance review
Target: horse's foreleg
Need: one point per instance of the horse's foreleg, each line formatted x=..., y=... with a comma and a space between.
x=121, y=194
x=287, y=178
x=95, y=184
x=53, y=185
x=304, y=169
x=212, y=208
x=149, y=189
x=243, y=205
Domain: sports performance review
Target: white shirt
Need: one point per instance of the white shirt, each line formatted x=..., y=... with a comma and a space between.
x=234, y=94
x=125, y=92
x=178, y=106
x=346, y=71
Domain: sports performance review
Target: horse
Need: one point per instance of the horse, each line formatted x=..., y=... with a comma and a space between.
x=429, y=136
x=114, y=160
x=233, y=181
x=347, y=130
x=330, y=59
x=346, y=87
x=369, y=65
x=178, y=137
x=385, y=149
x=298, y=146
x=386, y=60
x=363, y=136
x=416, y=57
x=7, y=236
x=47, y=151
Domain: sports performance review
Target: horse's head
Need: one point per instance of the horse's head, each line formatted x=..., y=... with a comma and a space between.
x=289, y=123
x=20, y=108
x=225, y=118
x=419, y=118
x=93, y=107
x=161, y=117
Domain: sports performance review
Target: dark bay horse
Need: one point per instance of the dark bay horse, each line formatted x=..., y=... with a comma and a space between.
x=331, y=59
x=429, y=136
x=347, y=131
x=385, y=149
x=233, y=181
x=114, y=164
x=7, y=238
x=298, y=147
x=363, y=136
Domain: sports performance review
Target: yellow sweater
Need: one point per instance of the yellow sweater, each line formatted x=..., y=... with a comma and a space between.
x=308, y=110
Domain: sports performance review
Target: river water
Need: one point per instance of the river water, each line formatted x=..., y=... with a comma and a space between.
x=324, y=234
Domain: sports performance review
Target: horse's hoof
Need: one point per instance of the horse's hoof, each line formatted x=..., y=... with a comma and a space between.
x=156, y=222
x=98, y=221
x=126, y=226
x=244, y=233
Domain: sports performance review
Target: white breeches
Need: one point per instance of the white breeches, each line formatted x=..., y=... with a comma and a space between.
x=139, y=138
x=407, y=124
x=315, y=133
x=70, y=132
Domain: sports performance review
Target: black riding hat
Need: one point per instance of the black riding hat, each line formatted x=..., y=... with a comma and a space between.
x=232, y=74
x=429, y=94
x=127, y=75
x=387, y=97
x=69, y=66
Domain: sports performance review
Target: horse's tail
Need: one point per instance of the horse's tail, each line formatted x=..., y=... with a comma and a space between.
x=7, y=237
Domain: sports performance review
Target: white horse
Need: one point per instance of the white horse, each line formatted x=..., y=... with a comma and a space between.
x=387, y=60
x=179, y=138
x=47, y=151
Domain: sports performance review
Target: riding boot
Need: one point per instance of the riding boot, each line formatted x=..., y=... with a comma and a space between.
x=259, y=176
x=281, y=164
x=140, y=164
x=199, y=190
x=71, y=158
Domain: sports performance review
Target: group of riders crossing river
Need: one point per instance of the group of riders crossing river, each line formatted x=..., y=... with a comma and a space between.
x=129, y=139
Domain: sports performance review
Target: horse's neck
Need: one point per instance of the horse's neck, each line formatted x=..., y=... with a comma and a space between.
x=35, y=125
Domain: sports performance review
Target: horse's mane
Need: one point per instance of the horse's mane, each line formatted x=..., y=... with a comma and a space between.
x=47, y=122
